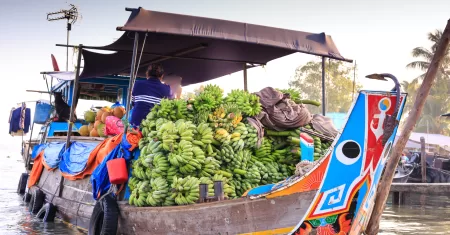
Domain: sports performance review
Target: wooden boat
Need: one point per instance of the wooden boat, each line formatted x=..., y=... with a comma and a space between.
x=335, y=197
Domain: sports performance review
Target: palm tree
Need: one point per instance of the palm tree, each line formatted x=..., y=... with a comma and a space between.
x=438, y=101
x=427, y=55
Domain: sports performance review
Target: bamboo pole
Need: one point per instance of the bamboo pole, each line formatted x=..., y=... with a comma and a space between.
x=424, y=90
x=423, y=159
x=245, y=77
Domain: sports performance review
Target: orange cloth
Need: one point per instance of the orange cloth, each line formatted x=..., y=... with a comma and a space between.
x=36, y=172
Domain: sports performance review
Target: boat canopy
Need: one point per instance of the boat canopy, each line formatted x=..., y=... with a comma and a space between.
x=198, y=48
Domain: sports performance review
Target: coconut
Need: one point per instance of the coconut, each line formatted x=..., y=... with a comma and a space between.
x=98, y=122
x=84, y=130
x=94, y=133
x=89, y=116
x=90, y=126
x=101, y=130
x=119, y=112
x=105, y=114
x=99, y=115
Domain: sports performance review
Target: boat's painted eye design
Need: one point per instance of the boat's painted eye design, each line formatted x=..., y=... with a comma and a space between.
x=348, y=152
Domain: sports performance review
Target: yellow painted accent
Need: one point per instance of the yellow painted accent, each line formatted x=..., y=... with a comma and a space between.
x=271, y=232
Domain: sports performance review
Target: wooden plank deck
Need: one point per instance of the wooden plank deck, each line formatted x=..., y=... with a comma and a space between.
x=421, y=187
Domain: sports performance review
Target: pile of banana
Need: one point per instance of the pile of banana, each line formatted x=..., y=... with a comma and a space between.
x=205, y=139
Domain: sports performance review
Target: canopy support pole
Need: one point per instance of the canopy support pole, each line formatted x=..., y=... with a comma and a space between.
x=75, y=90
x=245, y=77
x=324, y=104
x=72, y=109
x=132, y=78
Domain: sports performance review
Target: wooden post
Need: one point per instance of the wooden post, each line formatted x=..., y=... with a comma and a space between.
x=324, y=103
x=245, y=77
x=385, y=184
x=218, y=190
x=423, y=159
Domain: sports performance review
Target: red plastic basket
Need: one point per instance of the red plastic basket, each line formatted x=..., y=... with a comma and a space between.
x=117, y=171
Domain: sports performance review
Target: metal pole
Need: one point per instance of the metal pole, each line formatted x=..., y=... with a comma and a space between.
x=67, y=48
x=245, y=77
x=72, y=110
x=75, y=90
x=323, y=87
x=132, y=77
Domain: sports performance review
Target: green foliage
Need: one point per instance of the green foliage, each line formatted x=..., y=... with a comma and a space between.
x=438, y=101
x=338, y=82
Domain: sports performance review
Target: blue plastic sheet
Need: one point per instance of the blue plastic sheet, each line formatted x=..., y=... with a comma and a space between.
x=74, y=159
x=37, y=149
x=99, y=178
x=53, y=153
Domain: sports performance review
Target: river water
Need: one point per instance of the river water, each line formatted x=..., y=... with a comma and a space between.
x=430, y=217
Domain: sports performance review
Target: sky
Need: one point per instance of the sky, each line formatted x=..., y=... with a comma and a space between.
x=378, y=34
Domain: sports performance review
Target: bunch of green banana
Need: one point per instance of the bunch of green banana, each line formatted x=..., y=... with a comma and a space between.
x=169, y=135
x=210, y=167
x=139, y=195
x=317, y=148
x=132, y=182
x=209, y=98
x=185, y=159
x=325, y=146
x=149, y=152
x=201, y=117
x=171, y=109
x=226, y=154
x=139, y=169
x=204, y=136
x=236, y=141
x=241, y=159
x=199, y=155
x=158, y=192
x=185, y=190
x=251, y=139
x=248, y=103
x=160, y=165
x=263, y=154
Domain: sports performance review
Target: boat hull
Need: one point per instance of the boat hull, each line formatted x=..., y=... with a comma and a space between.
x=238, y=216
x=75, y=205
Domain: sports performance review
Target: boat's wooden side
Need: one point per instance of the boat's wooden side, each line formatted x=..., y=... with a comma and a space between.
x=75, y=205
x=237, y=216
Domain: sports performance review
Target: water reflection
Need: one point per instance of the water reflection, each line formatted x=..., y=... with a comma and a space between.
x=430, y=217
x=422, y=214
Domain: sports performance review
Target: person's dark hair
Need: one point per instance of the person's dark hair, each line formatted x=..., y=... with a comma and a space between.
x=155, y=70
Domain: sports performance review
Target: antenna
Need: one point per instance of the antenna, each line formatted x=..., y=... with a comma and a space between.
x=71, y=16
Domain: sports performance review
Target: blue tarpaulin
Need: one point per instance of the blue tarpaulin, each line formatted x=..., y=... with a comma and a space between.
x=53, y=153
x=37, y=149
x=99, y=178
x=74, y=159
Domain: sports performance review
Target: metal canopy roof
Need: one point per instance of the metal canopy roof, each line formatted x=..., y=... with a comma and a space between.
x=198, y=48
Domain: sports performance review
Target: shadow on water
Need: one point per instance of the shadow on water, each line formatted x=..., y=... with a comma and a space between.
x=431, y=217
